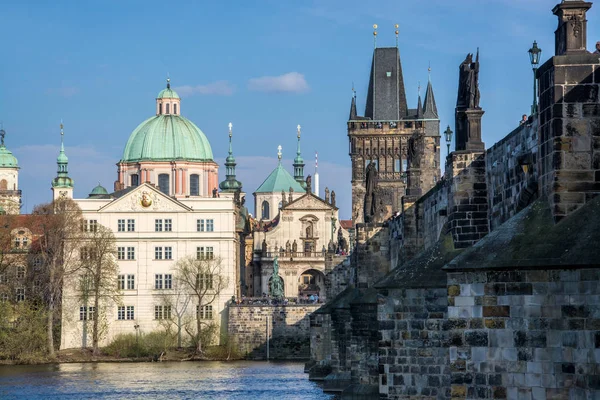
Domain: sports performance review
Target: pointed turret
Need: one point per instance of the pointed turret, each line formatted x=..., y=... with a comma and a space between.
x=430, y=110
x=10, y=195
x=353, y=113
x=62, y=185
x=230, y=184
x=299, y=165
x=419, y=105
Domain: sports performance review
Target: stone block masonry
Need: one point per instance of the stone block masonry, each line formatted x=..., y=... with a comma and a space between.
x=286, y=327
x=530, y=334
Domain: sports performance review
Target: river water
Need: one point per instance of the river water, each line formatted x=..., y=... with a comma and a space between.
x=175, y=380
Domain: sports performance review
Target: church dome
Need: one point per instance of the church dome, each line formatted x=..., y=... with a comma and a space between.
x=98, y=191
x=7, y=160
x=167, y=138
x=279, y=180
x=167, y=93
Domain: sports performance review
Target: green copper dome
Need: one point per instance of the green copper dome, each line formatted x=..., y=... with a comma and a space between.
x=167, y=138
x=279, y=180
x=167, y=93
x=7, y=160
x=98, y=191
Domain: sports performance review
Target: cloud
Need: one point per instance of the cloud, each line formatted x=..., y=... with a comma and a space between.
x=65, y=91
x=218, y=88
x=292, y=82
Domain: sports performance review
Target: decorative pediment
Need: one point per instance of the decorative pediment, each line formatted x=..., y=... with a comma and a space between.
x=309, y=202
x=145, y=198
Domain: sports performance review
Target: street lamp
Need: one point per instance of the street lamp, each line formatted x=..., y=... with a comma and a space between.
x=534, y=56
x=448, y=133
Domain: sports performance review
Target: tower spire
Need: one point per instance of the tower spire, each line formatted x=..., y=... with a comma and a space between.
x=430, y=109
x=230, y=184
x=62, y=185
x=299, y=163
x=420, y=104
x=353, y=113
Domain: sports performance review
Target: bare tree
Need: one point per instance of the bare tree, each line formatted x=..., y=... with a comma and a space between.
x=178, y=302
x=202, y=279
x=97, y=283
x=59, y=226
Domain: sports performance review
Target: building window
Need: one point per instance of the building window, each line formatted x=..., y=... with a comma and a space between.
x=130, y=312
x=158, y=225
x=210, y=225
x=204, y=312
x=204, y=281
x=125, y=312
x=121, y=312
x=3, y=296
x=17, y=242
x=93, y=225
x=25, y=242
x=397, y=165
x=163, y=183
x=168, y=225
x=168, y=253
x=265, y=210
x=131, y=225
x=130, y=282
x=200, y=225
x=131, y=253
x=205, y=253
x=162, y=312
x=175, y=108
x=121, y=225
x=160, y=109
x=120, y=253
x=163, y=281
x=20, y=294
x=158, y=253
x=87, y=313
x=135, y=180
x=194, y=185
x=404, y=165
x=20, y=272
x=209, y=253
x=121, y=282
x=167, y=108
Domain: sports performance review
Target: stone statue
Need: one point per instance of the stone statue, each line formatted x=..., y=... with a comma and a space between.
x=414, y=158
x=290, y=195
x=309, y=184
x=326, y=194
x=276, y=289
x=287, y=247
x=333, y=198
x=468, y=83
x=236, y=195
x=214, y=193
x=294, y=247
x=370, y=206
x=243, y=222
x=283, y=199
x=264, y=247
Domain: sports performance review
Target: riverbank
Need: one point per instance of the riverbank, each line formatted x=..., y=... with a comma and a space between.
x=213, y=353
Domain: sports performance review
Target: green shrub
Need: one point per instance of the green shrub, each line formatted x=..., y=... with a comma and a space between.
x=152, y=344
x=22, y=332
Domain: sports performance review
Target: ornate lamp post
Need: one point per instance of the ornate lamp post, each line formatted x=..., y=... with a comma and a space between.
x=448, y=134
x=534, y=56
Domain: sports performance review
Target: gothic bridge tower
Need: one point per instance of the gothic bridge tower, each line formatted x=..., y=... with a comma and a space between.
x=382, y=137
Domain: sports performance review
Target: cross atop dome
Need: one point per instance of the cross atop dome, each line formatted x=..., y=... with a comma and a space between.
x=279, y=148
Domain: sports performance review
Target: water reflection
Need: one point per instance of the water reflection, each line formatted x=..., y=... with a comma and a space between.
x=187, y=380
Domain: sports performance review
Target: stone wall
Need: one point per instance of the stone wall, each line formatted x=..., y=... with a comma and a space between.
x=510, y=189
x=525, y=334
x=288, y=329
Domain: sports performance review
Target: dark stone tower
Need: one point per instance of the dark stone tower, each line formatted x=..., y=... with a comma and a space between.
x=381, y=136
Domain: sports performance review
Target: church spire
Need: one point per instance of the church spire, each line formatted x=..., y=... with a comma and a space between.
x=230, y=184
x=63, y=183
x=430, y=110
x=353, y=113
x=299, y=164
x=419, y=104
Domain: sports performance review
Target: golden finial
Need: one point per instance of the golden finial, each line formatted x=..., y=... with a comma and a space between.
x=396, y=26
x=375, y=35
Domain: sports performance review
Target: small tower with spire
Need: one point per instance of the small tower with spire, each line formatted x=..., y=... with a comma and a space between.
x=10, y=195
x=230, y=184
x=299, y=164
x=62, y=185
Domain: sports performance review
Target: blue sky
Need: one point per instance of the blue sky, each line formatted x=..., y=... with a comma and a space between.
x=266, y=66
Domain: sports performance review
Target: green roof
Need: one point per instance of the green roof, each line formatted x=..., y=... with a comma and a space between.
x=98, y=190
x=167, y=93
x=7, y=159
x=279, y=180
x=167, y=138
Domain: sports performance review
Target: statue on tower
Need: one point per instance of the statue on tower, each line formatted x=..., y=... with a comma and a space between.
x=468, y=83
x=276, y=287
x=370, y=209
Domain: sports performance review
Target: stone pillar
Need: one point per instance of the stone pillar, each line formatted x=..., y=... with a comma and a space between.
x=468, y=129
x=571, y=34
x=569, y=116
